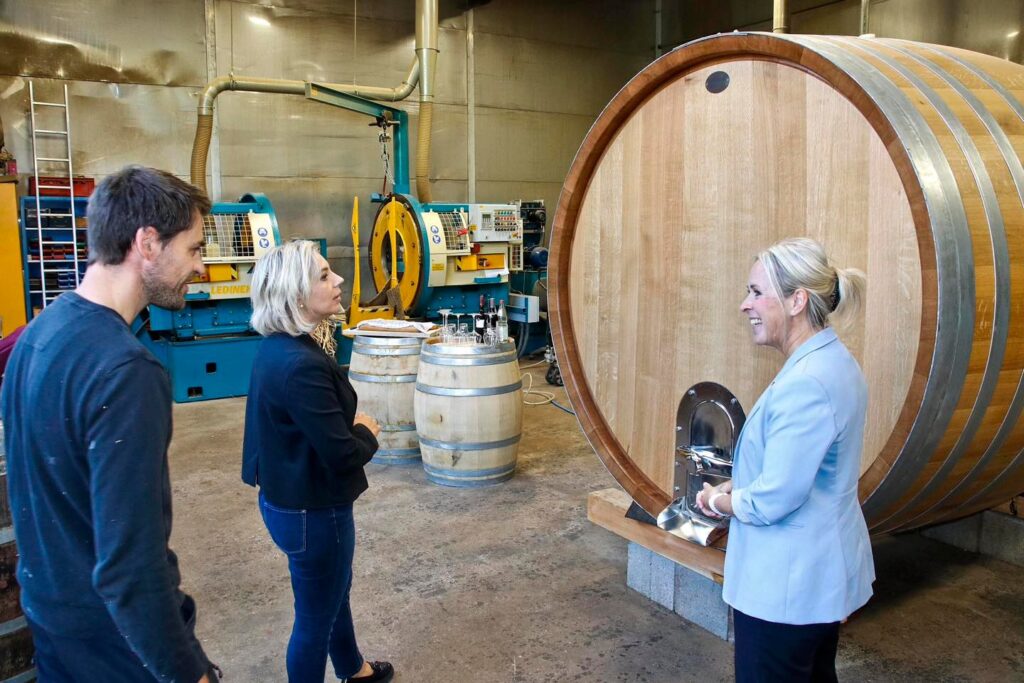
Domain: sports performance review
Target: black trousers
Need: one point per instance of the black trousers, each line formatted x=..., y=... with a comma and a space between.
x=767, y=652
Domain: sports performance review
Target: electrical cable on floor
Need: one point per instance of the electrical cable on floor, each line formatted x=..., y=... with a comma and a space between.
x=528, y=389
x=561, y=407
x=548, y=397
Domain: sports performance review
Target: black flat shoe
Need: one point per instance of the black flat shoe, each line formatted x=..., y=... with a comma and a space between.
x=382, y=673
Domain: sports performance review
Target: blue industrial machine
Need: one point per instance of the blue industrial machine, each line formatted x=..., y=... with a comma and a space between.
x=530, y=285
x=449, y=254
x=208, y=347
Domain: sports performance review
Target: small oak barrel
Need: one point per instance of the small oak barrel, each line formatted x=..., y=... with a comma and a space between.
x=383, y=373
x=16, y=647
x=903, y=159
x=469, y=413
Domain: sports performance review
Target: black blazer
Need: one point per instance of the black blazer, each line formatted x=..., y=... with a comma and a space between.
x=300, y=446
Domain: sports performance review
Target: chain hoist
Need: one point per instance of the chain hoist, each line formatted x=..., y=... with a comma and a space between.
x=384, y=123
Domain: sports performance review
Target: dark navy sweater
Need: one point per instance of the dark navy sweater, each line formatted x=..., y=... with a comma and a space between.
x=87, y=416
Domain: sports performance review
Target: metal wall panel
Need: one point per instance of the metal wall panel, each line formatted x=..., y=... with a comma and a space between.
x=451, y=11
x=111, y=124
x=612, y=25
x=684, y=20
x=273, y=42
x=104, y=40
x=989, y=26
x=310, y=159
x=287, y=135
x=515, y=145
x=523, y=73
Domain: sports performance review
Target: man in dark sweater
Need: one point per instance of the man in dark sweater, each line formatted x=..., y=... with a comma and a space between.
x=87, y=414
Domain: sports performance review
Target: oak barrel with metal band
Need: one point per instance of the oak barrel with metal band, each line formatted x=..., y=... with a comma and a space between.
x=469, y=413
x=383, y=373
x=16, y=647
x=903, y=159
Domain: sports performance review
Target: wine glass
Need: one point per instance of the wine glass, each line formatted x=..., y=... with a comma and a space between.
x=445, y=333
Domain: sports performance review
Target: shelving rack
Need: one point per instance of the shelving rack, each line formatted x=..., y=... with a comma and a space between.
x=54, y=244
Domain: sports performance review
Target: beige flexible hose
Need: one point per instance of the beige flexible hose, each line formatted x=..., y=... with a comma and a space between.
x=423, y=153
x=200, y=148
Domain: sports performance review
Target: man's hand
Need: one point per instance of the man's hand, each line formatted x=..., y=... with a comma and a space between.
x=368, y=422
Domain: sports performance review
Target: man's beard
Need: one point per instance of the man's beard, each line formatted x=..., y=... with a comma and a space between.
x=161, y=294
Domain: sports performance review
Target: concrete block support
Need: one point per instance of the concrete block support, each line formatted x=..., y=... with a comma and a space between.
x=689, y=594
x=995, y=534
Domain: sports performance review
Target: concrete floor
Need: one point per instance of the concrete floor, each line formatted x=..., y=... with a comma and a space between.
x=514, y=584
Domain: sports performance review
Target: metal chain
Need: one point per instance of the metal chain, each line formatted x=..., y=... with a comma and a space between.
x=385, y=157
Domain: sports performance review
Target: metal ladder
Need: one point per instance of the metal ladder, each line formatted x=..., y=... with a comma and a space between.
x=65, y=162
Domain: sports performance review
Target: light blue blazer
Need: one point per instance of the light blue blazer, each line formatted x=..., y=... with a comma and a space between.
x=799, y=551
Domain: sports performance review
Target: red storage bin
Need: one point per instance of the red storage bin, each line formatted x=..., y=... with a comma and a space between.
x=83, y=186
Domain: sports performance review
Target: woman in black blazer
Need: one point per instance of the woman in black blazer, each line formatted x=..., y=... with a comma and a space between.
x=305, y=447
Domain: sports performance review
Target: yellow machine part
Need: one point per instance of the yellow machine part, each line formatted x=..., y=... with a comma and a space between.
x=480, y=262
x=409, y=247
x=221, y=272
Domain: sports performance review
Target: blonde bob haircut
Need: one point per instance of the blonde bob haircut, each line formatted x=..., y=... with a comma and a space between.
x=281, y=284
x=834, y=295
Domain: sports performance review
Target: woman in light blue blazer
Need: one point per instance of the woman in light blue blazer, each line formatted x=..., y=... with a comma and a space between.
x=799, y=557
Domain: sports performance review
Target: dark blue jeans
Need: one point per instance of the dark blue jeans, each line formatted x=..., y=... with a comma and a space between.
x=320, y=545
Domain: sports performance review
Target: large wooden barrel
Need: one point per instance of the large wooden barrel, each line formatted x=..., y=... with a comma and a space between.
x=16, y=647
x=469, y=413
x=902, y=158
x=382, y=370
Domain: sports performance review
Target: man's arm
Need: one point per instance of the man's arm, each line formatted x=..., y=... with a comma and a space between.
x=129, y=429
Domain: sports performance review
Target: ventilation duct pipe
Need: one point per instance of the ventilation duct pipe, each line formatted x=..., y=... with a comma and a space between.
x=426, y=53
x=780, y=21
x=204, y=125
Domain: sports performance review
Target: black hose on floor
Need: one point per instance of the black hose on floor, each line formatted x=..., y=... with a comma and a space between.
x=524, y=338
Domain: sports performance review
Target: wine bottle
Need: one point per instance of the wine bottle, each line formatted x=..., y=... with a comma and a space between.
x=480, y=321
x=492, y=314
x=502, y=324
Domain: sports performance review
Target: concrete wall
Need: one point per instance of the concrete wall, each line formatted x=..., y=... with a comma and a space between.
x=526, y=77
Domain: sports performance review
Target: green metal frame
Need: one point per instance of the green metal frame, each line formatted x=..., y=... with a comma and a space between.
x=400, y=140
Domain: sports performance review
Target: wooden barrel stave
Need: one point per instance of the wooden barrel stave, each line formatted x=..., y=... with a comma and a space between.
x=947, y=114
x=383, y=373
x=469, y=414
x=994, y=392
x=947, y=446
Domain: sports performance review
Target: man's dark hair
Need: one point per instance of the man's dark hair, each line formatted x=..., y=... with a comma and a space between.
x=137, y=197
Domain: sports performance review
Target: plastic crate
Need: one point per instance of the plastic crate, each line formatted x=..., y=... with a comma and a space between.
x=83, y=186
